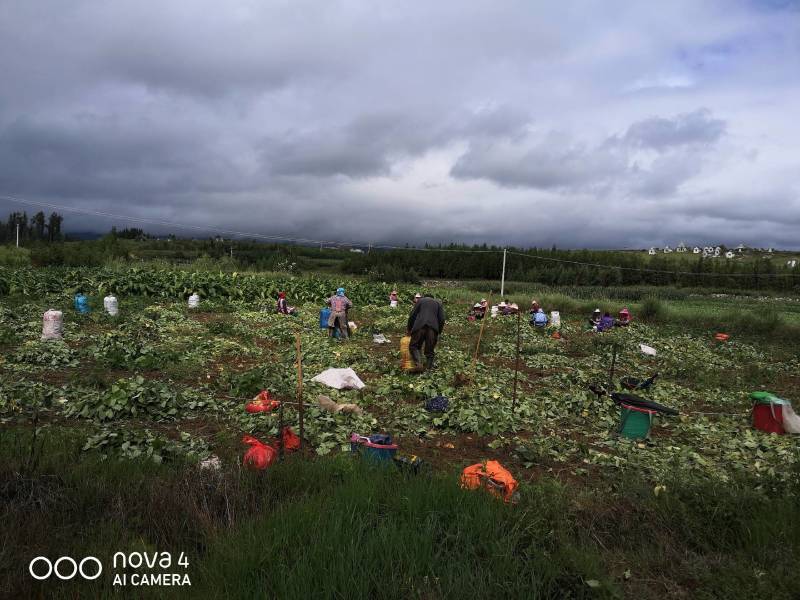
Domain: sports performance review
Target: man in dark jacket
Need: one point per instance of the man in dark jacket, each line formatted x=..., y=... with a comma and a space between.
x=425, y=324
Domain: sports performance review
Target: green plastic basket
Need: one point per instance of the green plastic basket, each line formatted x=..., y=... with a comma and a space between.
x=634, y=424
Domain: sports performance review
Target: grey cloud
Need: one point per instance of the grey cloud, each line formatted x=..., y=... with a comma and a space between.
x=369, y=144
x=553, y=162
x=659, y=133
x=102, y=157
x=430, y=122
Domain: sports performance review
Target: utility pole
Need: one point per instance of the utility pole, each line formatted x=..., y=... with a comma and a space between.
x=18, y=234
x=503, y=276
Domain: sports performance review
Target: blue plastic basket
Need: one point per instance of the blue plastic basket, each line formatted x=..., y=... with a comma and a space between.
x=363, y=446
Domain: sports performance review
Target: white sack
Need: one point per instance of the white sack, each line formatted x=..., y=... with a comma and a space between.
x=111, y=305
x=51, y=325
x=791, y=421
x=555, y=318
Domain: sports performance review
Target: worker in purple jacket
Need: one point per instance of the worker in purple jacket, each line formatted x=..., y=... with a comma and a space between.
x=606, y=322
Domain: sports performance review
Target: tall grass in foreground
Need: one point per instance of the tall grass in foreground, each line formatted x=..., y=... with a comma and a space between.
x=336, y=528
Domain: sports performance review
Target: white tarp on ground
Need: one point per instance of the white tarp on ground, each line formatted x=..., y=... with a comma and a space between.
x=379, y=338
x=341, y=379
x=649, y=350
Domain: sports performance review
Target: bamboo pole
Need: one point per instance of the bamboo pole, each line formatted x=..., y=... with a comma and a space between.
x=300, y=406
x=486, y=317
x=516, y=367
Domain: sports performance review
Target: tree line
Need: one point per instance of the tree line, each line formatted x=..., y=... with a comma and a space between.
x=577, y=267
x=39, y=228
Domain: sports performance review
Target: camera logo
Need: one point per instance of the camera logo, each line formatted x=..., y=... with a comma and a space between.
x=64, y=568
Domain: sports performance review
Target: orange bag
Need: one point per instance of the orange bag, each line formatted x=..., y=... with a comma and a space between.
x=291, y=441
x=259, y=455
x=491, y=475
x=722, y=337
x=262, y=403
x=406, y=362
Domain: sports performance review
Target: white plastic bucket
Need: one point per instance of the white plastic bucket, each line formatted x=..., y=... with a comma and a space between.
x=194, y=301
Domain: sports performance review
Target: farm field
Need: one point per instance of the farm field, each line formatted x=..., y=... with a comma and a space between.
x=113, y=422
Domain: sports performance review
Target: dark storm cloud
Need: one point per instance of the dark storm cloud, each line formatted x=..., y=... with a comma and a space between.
x=103, y=158
x=438, y=122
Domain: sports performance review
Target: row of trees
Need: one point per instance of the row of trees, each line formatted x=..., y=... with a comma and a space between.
x=39, y=228
x=578, y=267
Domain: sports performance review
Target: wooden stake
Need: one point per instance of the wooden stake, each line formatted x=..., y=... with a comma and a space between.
x=516, y=366
x=613, y=363
x=300, y=406
x=280, y=432
x=486, y=317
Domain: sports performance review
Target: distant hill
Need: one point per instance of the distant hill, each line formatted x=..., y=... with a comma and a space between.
x=83, y=235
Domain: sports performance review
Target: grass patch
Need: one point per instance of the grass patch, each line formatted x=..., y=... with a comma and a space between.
x=337, y=528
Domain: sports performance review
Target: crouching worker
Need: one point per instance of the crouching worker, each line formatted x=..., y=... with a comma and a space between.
x=283, y=305
x=425, y=325
x=539, y=319
x=624, y=318
x=339, y=304
x=606, y=322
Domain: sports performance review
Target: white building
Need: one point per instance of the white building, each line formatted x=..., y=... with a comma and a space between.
x=652, y=252
x=729, y=254
x=667, y=249
x=696, y=250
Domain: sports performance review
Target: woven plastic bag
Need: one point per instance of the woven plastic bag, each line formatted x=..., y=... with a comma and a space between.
x=406, y=362
x=52, y=325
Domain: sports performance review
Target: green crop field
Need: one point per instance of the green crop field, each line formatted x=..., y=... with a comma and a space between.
x=103, y=433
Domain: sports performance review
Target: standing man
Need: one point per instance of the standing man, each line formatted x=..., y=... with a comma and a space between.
x=425, y=325
x=339, y=304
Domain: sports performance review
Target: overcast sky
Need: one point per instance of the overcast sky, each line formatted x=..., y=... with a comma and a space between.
x=577, y=123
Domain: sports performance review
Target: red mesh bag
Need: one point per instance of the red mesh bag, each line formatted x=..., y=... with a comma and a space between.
x=291, y=441
x=259, y=456
x=262, y=403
